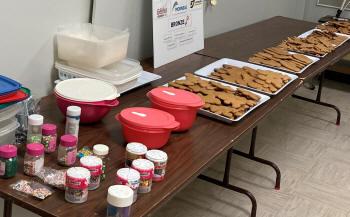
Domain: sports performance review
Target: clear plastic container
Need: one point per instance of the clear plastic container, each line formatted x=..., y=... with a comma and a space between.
x=91, y=45
x=121, y=74
x=8, y=132
x=7, y=115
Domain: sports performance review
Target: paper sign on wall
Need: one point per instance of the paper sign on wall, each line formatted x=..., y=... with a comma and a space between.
x=177, y=29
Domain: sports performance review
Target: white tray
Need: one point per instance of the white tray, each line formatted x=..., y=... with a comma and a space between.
x=263, y=99
x=207, y=70
x=305, y=34
x=314, y=59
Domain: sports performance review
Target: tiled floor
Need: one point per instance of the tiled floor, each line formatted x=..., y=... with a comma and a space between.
x=312, y=153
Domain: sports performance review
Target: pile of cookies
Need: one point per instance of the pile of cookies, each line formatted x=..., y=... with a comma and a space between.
x=281, y=59
x=263, y=80
x=318, y=43
x=336, y=26
x=219, y=99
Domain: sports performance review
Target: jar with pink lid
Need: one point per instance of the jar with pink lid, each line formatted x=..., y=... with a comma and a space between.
x=49, y=137
x=8, y=161
x=33, y=159
x=67, y=150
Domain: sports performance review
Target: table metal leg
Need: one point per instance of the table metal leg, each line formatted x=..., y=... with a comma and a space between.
x=226, y=183
x=252, y=156
x=7, y=208
x=318, y=99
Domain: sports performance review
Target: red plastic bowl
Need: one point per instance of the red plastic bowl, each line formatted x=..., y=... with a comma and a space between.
x=183, y=105
x=152, y=127
x=90, y=112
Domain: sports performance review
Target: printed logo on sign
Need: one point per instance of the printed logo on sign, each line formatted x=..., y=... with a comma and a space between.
x=162, y=8
x=179, y=6
x=195, y=4
x=180, y=22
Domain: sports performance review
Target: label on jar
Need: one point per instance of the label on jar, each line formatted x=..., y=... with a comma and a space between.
x=49, y=143
x=2, y=168
x=159, y=171
x=145, y=181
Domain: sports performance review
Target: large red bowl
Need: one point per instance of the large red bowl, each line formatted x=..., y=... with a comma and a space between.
x=90, y=111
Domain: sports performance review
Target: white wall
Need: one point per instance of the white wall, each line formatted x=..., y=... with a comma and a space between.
x=26, y=38
x=313, y=12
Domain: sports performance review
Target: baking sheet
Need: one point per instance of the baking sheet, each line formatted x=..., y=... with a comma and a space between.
x=323, y=24
x=207, y=70
x=314, y=59
x=263, y=99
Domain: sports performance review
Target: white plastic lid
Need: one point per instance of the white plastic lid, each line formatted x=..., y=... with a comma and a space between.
x=35, y=119
x=100, y=149
x=78, y=173
x=73, y=111
x=128, y=174
x=120, y=196
x=86, y=90
x=156, y=156
x=142, y=164
x=90, y=161
x=136, y=148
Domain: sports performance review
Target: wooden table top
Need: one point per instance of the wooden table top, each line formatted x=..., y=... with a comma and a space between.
x=189, y=153
x=242, y=43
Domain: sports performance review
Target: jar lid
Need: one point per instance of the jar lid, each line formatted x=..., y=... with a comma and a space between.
x=78, y=173
x=128, y=174
x=147, y=118
x=8, y=151
x=100, y=149
x=73, y=111
x=142, y=164
x=68, y=140
x=35, y=119
x=156, y=156
x=35, y=149
x=175, y=97
x=136, y=148
x=49, y=129
x=120, y=196
x=90, y=161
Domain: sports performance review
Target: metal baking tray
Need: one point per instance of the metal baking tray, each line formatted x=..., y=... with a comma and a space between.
x=314, y=60
x=263, y=99
x=207, y=70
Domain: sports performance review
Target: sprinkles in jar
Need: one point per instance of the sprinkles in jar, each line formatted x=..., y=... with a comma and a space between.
x=77, y=181
x=94, y=165
x=33, y=159
x=159, y=159
x=129, y=177
x=134, y=150
x=146, y=169
x=49, y=137
x=67, y=150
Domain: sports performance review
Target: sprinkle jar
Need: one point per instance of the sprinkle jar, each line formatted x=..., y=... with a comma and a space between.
x=35, y=123
x=67, y=150
x=49, y=137
x=33, y=159
x=129, y=177
x=77, y=181
x=94, y=165
x=159, y=159
x=146, y=169
x=134, y=150
x=101, y=151
x=8, y=161
x=119, y=201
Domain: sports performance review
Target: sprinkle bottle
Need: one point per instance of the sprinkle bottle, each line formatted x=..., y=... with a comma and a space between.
x=49, y=137
x=8, y=161
x=119, y=201
x=35, y=123
x=33, y=159
x=77, y=181
x=67, y=150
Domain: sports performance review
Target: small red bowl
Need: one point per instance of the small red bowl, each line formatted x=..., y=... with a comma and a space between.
x=90, y=111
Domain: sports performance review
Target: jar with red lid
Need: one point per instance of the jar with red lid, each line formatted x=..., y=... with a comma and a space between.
x=67, y=150
x=183, y=105
x=49, y=137
x=149, y=126
x=33, y=159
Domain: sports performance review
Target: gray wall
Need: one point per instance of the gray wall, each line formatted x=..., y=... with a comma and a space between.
x=26, y=38
x=313, y=12
x=27, y=42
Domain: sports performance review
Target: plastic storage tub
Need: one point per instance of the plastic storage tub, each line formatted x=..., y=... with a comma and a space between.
x=8, y=132
x=121, y=74
x=183, y=105
x=149, y=126
x=7, y=115
x=91, y=45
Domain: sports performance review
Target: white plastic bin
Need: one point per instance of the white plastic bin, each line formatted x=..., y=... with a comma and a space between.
x=7, y=114
x=121, y=74
x=8, y=132
x=90, y=45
